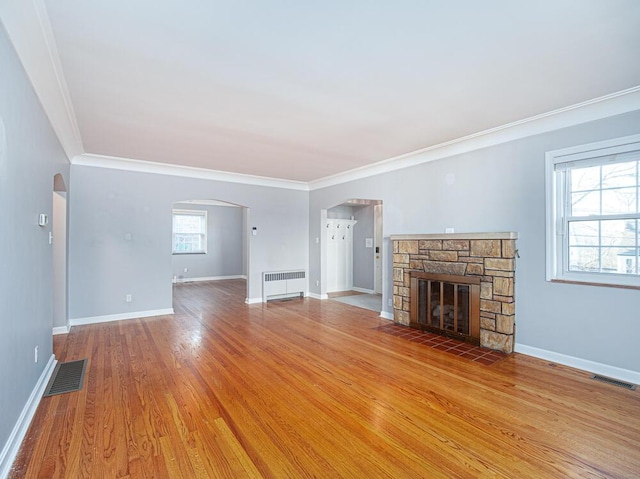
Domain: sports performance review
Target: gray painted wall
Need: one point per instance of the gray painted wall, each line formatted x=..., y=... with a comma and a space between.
x=340, y=212
x=502, y=188
x=224, y=245
x=108, y=204
x=363, y=258
x=30, y=155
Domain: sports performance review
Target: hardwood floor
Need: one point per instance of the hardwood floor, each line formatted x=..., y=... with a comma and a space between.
x=310, y=388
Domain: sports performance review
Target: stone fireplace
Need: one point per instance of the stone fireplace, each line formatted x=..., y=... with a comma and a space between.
x=434, y=279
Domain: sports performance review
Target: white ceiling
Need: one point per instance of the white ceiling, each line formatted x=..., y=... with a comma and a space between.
x=302, y=90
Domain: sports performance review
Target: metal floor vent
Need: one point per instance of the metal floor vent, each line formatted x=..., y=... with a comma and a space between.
x=615, y=382
x=67, y=377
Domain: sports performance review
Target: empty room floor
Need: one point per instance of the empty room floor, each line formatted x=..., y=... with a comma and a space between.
x=310, y=388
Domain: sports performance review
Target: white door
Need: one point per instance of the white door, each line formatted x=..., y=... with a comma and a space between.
x=339, y=238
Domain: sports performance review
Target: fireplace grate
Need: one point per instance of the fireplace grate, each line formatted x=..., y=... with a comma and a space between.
x=615, y=382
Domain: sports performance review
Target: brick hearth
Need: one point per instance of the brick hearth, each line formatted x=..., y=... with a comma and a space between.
x=488, y=256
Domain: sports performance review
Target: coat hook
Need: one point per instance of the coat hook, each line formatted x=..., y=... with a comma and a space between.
x=517, y=254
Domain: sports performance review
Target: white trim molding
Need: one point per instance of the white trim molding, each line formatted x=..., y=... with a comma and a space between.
x=128, y=164
x=61, y=330
x=29, y=29
x=253, y=300
x=385, y=315
x=119, y=317
x=579, y=363
x=362, y=290
x=598, y=108
x=12, y=446
x=210, y=278
x=609, y=105
x=318, y=296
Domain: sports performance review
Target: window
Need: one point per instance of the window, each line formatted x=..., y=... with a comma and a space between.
x=593, y=213
x=189, y=231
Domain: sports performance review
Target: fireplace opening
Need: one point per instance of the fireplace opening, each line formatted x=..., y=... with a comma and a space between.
x=446, y=304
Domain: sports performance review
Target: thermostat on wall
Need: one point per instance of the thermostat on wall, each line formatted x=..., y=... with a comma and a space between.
x=43, y=220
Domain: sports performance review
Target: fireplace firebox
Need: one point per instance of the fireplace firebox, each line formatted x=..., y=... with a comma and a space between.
x=446, y=304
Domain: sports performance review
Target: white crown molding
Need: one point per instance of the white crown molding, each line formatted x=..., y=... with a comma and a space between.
x=117, y=163
x=609, y=105
x=30, y=32
x=29, y=28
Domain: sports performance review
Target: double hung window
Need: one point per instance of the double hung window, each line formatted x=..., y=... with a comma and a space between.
x=189, y=231
x=593, y=213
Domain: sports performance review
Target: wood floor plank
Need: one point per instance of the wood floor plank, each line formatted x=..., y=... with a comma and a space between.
x=310, y=388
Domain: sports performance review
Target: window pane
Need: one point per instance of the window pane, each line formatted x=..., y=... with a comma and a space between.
x=619, y=260
x=583, y=179
x=187, y=223
x=187, y=242
x=619, y=200
x=583, y=258
x=628, y=261
x=585, y=203
x=584, y=233
x=618, y=233
x=620, y=174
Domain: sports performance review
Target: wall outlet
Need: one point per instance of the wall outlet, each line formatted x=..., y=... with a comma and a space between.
x=317, y=282
x=389, y=302
x=35, y=354
x=185, y=270
x=449, y=230
x=128, y=298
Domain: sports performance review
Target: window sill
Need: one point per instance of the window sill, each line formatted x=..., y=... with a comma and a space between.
x=592, y=283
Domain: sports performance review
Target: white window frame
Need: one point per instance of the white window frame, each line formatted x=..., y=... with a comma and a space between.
x=200, y=213
x=557, y=244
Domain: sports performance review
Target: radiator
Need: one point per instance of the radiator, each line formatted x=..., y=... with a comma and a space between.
x=283, y=284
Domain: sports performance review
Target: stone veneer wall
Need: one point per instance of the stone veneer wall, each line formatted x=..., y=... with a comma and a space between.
x=489, y=256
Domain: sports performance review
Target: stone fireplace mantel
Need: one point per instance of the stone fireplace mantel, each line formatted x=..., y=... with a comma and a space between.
x=487, y=256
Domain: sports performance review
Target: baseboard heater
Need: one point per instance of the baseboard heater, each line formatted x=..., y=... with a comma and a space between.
x=283, y=284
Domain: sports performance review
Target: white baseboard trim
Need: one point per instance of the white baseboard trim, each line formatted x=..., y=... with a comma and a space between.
x=61, y=330
x=317, y=296
x=12, y=446
x=119, y=317
x=363, y=290
x=210, y=278
x=253, y=300
x=386, y=315
x=578, y=363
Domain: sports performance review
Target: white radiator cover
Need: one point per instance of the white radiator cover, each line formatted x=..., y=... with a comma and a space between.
x=283, y=284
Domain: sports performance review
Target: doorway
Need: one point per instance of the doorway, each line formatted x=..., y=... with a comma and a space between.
x=352, y=258
x=58, y=241
x=209, y=241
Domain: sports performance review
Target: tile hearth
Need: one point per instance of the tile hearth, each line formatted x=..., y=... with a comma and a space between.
x=452, y=346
